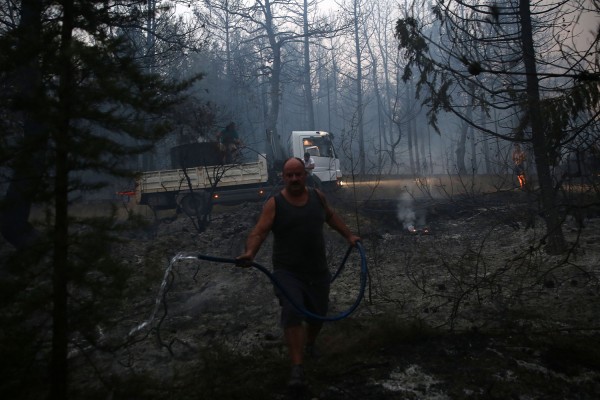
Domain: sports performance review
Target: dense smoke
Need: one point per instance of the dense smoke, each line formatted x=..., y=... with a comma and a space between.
x=407, y=214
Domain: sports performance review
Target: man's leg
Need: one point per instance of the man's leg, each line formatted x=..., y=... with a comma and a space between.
x=312, y=331
x=295, y=337
x=291, y=320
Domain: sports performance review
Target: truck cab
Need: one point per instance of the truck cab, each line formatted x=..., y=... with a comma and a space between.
x=320, y=147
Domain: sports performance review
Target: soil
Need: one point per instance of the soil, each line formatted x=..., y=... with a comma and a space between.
x=464, y=305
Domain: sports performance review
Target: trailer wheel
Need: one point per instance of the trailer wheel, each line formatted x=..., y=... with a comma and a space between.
x=194, y=204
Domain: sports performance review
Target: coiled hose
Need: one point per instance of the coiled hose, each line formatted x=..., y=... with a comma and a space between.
x=342, y=315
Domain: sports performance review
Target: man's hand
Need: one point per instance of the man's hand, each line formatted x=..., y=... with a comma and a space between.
x=353, y=240
x=243, y=261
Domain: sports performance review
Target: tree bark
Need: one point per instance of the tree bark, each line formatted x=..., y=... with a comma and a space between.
x=308, y=96
x=555, y=239
x=416, y=144
x=274, y=84
x=461, y=150
x=28, y=165
x=359, y=93
x=60, y=278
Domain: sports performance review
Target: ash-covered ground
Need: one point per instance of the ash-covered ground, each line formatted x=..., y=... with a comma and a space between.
x=468, y=305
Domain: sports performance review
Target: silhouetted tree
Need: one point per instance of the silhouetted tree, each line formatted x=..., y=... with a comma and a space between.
x=87, y=105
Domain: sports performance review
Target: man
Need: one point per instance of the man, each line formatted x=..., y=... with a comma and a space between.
x=519, y=160
x=229, y=142
x=309, y=163
x=296, y=216
x=309, y=166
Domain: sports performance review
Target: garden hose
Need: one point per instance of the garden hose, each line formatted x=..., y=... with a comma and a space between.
x=342, y=315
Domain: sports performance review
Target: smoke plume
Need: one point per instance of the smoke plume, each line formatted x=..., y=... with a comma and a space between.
x=406, y=213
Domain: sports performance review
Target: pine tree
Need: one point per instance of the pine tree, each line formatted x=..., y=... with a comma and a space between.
x=81, y=105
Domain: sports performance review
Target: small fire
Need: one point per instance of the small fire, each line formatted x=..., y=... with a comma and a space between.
x=412, y=220
x=422, y=231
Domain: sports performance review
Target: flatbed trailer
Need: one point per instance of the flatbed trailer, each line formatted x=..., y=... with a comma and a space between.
x=190, y=189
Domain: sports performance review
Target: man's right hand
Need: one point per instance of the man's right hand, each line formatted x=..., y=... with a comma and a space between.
x=243, y=261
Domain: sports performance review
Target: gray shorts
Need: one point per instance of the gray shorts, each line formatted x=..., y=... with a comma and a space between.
x=312, y=295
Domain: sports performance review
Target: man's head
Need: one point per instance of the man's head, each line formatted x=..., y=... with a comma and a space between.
x=294, y=175
x=306, y=155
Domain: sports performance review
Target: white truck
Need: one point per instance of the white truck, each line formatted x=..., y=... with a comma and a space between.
x=195, y=188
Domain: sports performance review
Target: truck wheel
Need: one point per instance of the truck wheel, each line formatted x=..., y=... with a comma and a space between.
x=194, y=204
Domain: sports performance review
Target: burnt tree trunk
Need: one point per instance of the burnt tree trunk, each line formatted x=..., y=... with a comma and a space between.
x=308, y=95
x=60, y=276
x=555, y=239
x=359, y=93
x=461, y=150
x=28, y=163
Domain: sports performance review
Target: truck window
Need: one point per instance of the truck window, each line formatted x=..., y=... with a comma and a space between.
x=318, y=146
x=313, y=151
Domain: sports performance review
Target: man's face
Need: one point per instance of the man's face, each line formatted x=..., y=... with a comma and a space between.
x=294, y=176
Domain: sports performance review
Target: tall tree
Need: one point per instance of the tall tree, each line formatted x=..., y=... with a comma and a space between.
x=93, y=98
x=358, y=44
x=25, y=84
x=308, y=87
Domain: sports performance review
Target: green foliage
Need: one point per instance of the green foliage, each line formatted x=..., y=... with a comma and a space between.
x=565, y=112
x=415, y=48
x=87, y=103
x=25, y=288
x=97, y=279
x=409, y=37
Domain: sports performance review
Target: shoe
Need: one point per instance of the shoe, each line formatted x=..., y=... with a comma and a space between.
x=297, y=378
x=311, y=351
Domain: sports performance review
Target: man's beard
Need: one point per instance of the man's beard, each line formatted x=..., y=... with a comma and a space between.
x=296, y=187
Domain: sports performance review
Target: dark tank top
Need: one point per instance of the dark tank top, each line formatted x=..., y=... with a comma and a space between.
x=299, y=245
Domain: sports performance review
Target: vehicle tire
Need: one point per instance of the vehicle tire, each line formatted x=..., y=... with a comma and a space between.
x=194, y=204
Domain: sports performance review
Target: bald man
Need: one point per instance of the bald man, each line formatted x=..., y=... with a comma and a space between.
x=296, y=216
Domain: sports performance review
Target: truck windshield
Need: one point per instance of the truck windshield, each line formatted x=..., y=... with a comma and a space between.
x=318, y=146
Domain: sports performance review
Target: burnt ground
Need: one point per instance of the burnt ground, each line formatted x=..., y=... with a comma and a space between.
x=469, y=306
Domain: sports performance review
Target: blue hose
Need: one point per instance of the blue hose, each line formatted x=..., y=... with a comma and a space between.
x=342, y=315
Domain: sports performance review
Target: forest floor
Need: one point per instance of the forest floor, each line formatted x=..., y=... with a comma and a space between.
x=466, y=306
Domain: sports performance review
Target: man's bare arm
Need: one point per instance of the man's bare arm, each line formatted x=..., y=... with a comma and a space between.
x=260, y=231
x=336, y=222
